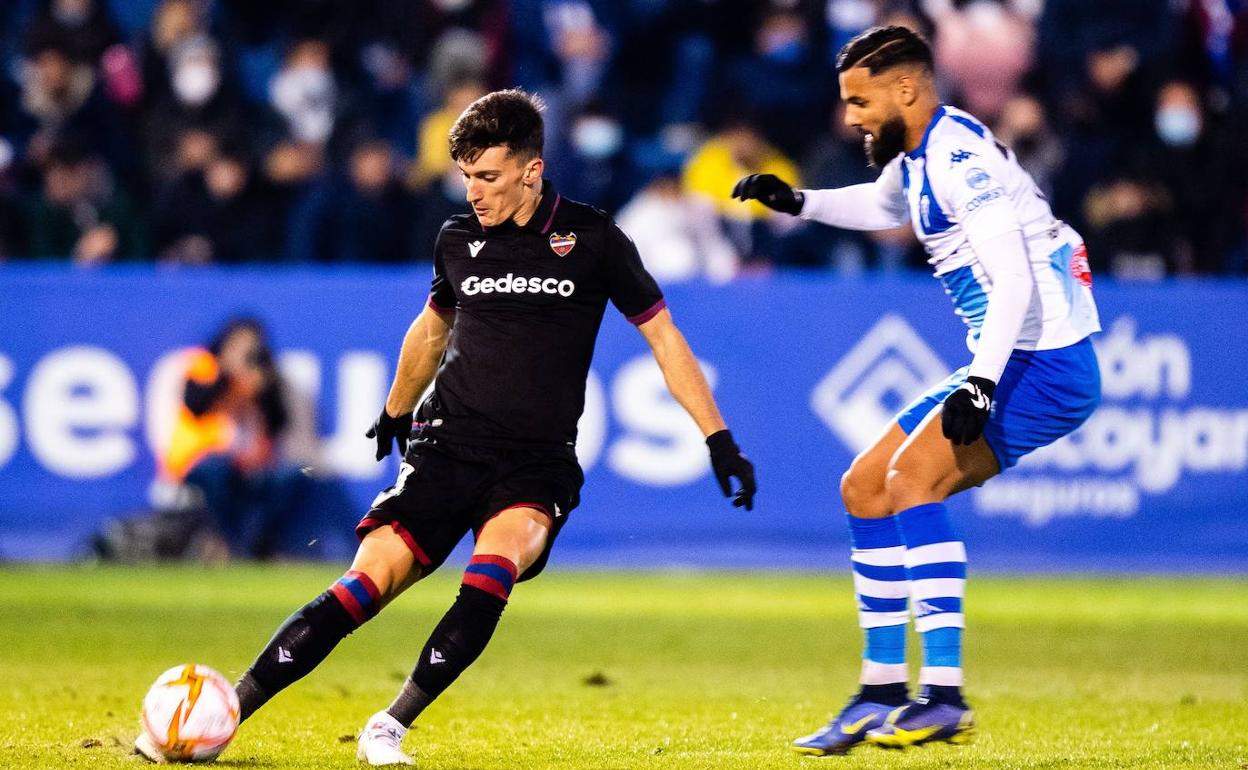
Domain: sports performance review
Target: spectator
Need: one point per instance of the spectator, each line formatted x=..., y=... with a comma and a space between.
x=1024, y=128
x=716, y=166
x=1193, y=156
x=678, y=236
x=60, y=98
x=226, y=440
x=432, y=144
x=782, y=82
x=198, y=103
x=82, y=213
x=983, y=47
x=362, y=216
x=218, y=214
x=82, y=28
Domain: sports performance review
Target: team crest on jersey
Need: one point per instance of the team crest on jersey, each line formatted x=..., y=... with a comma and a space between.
x=562, y=244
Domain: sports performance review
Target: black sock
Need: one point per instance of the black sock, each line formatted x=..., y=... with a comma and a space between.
x=893, y=694
x=938, y=693
x=305, y=639
x=455, y=643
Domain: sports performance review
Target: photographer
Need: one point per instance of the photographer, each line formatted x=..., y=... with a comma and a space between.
x=224, y=442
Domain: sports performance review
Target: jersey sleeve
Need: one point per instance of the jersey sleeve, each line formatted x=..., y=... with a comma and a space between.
x=441, y=292
x=973, y=189
x=878, y=205
x=632, y=289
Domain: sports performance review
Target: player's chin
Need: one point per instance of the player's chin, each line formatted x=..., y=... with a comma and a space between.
x=486, y=218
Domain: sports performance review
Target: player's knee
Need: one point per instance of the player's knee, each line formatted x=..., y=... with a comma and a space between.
x=864, y=497
x=907, y=487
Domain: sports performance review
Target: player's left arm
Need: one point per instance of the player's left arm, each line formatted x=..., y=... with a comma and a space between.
x=981, y=204
x=636, y=294
x=689, y=387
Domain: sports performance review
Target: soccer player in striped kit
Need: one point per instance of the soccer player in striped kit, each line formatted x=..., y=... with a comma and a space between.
x=1019, y=280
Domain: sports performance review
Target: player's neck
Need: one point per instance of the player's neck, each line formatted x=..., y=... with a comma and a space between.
x=916, y=127
x=528, y=206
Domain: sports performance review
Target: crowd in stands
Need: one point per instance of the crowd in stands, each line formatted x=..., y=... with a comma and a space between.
x=197, y=132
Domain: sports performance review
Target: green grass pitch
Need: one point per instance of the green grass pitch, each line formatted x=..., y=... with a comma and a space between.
x=604, y=670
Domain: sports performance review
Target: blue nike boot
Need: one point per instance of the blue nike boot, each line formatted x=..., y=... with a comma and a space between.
x=924, y=721
x=846, y=730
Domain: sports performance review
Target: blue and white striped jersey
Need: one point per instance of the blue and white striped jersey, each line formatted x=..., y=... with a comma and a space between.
x=959, y=178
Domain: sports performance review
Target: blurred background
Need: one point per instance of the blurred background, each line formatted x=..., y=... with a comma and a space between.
x=216, y=219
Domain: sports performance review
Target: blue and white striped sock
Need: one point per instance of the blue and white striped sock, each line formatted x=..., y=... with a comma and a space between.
x=881, y=589
x=935, y=562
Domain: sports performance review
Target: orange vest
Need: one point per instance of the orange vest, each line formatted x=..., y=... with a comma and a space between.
x=195, y=437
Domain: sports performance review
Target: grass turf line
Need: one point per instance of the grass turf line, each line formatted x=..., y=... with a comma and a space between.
x=702, y=670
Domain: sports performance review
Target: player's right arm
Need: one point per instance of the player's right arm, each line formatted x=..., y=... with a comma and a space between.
x=423, y=346
x=422, y=349
x=878, y=205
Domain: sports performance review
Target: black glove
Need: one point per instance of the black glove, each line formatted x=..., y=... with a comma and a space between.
x=727, y=461
x=771, y=191
x=966, y=411
x=387, y=429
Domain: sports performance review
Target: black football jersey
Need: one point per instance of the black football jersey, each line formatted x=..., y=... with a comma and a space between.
x=528, y=301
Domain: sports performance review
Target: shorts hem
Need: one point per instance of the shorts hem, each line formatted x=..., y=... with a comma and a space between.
x=370, y=523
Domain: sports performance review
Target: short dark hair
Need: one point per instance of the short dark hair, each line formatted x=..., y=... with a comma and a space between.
x=882, y=48
x=511, y=118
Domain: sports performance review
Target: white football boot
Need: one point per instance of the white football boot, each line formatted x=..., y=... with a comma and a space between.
x=381, y=742
x=144, y=747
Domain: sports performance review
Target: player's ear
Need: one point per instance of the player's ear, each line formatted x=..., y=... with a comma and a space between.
x=905, y=90
x=533, y=171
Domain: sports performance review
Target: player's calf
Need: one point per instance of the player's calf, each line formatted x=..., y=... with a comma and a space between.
x=307, y=637
x=460, y=637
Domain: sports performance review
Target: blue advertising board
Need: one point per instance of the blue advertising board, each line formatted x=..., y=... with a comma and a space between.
x=807, y=369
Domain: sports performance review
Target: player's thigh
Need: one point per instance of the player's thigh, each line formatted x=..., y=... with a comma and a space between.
x=519, y=533
x=388, y=561
x=929, y=468
x=863, y=486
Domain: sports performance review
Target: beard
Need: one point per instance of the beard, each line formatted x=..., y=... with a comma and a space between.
x=890, y=142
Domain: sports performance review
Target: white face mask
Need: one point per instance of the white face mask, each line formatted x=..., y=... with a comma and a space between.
x=195, y=84
x=1177, y=126
x=305, y=97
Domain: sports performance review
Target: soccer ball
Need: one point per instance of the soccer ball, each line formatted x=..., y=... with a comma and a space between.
x=190, y=714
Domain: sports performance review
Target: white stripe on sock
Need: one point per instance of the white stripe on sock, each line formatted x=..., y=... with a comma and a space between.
x=881, y=589
x=945, y=676
x=877, y=619
x=939, y=620
x=935, y=553
x=883, y=673
x=932, y=588
x=879, y=557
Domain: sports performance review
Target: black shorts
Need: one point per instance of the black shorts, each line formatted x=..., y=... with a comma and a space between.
x=444, y=490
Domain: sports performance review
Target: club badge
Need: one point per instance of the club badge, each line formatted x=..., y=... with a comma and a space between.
x=562, y=244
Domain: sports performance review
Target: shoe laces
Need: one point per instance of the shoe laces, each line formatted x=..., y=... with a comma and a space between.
x=384, y=733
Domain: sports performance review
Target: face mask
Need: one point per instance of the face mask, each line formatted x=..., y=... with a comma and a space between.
x=597, y=137
x=195, y=84
x=305, y=97
x=1178, y=126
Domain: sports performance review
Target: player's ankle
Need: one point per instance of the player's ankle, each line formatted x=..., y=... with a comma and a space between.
x=943, y=694
x=892, y=694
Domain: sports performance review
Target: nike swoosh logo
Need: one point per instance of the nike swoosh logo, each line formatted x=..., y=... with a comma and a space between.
x=979, y=401
x=855, y=727
x=914, y=736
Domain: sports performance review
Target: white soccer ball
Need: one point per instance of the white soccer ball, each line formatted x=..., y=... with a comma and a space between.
x=190, y=714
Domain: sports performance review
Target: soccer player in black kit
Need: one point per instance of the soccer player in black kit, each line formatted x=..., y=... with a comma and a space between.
x=519, y=290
